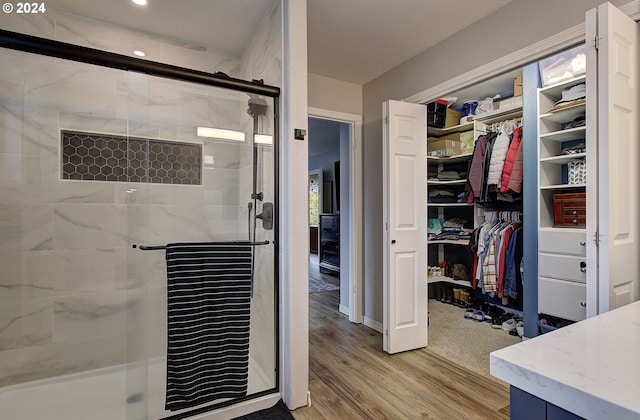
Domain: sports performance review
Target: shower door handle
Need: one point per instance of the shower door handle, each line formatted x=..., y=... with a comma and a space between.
x=266, y=216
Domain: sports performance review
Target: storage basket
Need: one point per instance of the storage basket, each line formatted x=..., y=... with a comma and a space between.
x=577, y=172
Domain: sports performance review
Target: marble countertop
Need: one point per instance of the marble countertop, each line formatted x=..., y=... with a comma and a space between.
x=590, y=368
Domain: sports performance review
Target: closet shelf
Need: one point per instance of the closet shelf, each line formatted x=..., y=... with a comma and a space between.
x=563, y=159
x=565, y=115
x=500, y=115
x=555, y=91
x=437, y=279
x=565, y=135
x=464, y=242
x=437, y=132
x=562, y=186
x=450, y=204
x=450, y=159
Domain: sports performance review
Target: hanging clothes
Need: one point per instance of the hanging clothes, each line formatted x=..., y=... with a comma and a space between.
x=496, y=162
x=474, y=179
x=497, y=249
x=499, y=153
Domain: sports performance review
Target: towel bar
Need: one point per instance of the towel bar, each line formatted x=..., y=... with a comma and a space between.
x=151, y=248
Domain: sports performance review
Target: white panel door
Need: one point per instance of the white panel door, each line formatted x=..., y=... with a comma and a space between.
x=405, y=235
x=618, y=160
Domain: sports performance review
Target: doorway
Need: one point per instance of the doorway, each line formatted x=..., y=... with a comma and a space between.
x=334, y=151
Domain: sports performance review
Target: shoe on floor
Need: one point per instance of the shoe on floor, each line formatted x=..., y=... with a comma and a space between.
x=520, y=328
x=509, y=325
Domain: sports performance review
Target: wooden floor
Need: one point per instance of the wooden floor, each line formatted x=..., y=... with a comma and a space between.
x=350, y=377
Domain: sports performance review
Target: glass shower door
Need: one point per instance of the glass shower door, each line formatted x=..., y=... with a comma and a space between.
x=201, y=171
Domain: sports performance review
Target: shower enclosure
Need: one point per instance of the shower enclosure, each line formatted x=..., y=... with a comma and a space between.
x=100, y=169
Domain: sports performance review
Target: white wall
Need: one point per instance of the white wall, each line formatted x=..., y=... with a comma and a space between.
x=334, y=95
x=294, y=211
x=514, y=27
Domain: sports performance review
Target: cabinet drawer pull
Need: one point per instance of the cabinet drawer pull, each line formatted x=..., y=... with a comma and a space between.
x=575, y=212
x=575, y=221
x=583, y=267
x=583, y=243
x=583, y=304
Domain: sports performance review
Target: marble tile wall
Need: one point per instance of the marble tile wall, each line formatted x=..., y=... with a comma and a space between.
x=74, y=295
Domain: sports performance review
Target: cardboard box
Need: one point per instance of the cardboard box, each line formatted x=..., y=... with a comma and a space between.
x=440, y=116
x=517, y=85
x=466, y=142
x=508, y=103
x=453, y=118
x=443, y=147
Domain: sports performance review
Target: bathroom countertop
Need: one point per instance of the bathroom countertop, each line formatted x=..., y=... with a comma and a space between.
x=590, y=368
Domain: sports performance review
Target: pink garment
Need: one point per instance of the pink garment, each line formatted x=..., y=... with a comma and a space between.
x=515, y=182
x=510, y=160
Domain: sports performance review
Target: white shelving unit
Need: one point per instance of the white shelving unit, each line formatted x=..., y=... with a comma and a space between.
x=480, y=125
x=441, y=209
x=562, y=250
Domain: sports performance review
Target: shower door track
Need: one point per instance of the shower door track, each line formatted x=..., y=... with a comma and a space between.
x=52, y=48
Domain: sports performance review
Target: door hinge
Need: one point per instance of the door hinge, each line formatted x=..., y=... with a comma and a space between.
x=386, y=120
x=597, y=42
x=597, y=238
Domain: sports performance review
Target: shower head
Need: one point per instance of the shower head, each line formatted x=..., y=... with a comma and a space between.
x=257, y=106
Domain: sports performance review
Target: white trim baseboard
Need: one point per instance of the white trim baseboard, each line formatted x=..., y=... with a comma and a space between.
x=372, y=323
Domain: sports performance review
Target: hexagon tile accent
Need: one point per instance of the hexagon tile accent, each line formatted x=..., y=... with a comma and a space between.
x=104, y=157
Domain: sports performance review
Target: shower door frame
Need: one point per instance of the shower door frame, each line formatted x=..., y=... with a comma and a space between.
x=66, y=51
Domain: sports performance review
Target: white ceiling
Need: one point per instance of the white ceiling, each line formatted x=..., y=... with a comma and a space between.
x=223, y=25
x=359, y=40
x=351, y=40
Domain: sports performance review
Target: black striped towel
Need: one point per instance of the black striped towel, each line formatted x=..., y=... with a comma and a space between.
x=209, y=298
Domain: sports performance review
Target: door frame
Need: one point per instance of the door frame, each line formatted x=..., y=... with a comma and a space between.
x=354, y=218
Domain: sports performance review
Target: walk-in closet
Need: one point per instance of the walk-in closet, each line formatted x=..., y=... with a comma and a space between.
x=475, y=220
x=479, y=139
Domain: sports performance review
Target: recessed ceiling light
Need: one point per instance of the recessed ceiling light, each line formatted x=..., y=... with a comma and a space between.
x=139, y=53
x=140, y=2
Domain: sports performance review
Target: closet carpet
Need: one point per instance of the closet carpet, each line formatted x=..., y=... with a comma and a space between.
x=463, y=341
